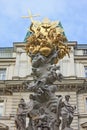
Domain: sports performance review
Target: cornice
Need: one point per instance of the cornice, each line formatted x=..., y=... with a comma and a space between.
x=72, y=43
x=71, y=85
x=22, y=44
x=13, y=59
x=18, y=44
x=4, y=117
x=82, y=115
x=82, y=57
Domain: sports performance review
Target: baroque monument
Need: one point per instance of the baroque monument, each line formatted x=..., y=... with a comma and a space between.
x=46, y=44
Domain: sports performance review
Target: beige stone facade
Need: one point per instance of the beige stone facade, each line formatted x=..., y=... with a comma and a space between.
x=15, y=68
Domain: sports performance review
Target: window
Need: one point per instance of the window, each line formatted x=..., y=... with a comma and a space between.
x=6, y=52
x=2, y=74
x=1, y=107
x=85, y=71
x=85, y=52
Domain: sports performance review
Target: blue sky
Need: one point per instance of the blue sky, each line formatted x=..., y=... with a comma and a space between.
x=72, y=14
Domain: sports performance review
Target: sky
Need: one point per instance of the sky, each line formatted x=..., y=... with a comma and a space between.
x=71, y=13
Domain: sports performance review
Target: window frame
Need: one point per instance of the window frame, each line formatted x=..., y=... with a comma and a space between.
x=84, y=51
x=85, y=71
x=3, y=99
x=3, y=73
x=1, y=108
x=85, y=104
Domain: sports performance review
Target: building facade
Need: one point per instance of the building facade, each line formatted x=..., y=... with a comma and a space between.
x=15, y=69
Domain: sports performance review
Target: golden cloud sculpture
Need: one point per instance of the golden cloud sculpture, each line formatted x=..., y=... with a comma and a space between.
x=47, y=37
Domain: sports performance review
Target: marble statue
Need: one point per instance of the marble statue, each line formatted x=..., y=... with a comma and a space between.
x=46, y=111
x=20, y=119
x=67, y=113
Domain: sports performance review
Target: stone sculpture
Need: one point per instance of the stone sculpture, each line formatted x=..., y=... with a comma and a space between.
x=20, y=119
x=67, y=112
x=46, y=46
